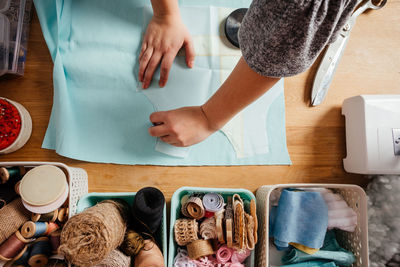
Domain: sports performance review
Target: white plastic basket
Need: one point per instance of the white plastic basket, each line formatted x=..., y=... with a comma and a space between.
x=77, y=179
x=356, y=242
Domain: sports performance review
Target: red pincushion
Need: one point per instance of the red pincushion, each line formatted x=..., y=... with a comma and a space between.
x=10, y=124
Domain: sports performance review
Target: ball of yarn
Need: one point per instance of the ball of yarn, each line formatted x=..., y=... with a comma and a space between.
x=115, y=259
x=133, y=243
x=89, y=237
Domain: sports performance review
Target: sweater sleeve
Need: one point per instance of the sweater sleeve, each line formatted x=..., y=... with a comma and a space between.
x=281, y=38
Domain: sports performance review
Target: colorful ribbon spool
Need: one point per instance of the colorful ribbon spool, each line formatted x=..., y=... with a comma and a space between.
x=40, y=252
x=12, y=246
x=224, y=254
x=213, y=202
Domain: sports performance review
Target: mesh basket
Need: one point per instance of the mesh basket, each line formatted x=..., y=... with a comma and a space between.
x=77, y=178
x=356, y=242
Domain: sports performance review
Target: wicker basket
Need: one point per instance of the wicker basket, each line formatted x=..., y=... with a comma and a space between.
x=77, y=179
x=176, y=210
x=356, y=242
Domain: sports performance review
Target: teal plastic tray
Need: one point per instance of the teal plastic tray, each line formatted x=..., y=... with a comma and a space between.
x=92, y=199
x=245, y=194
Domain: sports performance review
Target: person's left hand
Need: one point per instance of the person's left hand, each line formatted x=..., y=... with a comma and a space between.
x=181, y=127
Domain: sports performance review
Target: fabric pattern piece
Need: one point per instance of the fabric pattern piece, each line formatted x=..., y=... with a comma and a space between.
x=301, y=217
x=283, y=38
x=98, y=115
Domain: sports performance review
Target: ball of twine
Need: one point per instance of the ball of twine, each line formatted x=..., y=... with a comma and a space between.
x=115, y=259
x=89, y=237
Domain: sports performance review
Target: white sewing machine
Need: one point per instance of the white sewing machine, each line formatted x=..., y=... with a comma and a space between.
x=372, y=134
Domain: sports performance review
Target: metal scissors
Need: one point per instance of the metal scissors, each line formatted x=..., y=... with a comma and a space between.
x=334, y=52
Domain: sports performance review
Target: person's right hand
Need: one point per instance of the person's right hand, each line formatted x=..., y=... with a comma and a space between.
x=164, y=37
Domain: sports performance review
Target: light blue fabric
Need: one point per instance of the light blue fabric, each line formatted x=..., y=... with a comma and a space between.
x=98, y=115
x=301, y=217
x=312, y=264
x=331, y=251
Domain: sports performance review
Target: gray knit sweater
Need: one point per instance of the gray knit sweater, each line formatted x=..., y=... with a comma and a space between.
x=284, y=37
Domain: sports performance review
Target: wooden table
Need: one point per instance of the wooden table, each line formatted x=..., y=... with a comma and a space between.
x=315, y=135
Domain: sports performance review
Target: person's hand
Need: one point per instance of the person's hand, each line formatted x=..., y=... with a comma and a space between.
x=164, y=36
x=181, y=127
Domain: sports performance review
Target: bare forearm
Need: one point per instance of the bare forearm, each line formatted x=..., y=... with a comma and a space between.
x=241, y=88
x=163, y=8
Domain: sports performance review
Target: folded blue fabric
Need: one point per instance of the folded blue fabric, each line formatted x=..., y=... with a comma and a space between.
x=301, y=217
x=331, y=251
x=312, y=264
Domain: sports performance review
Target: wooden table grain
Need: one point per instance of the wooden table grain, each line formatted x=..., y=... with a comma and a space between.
x=315, y=135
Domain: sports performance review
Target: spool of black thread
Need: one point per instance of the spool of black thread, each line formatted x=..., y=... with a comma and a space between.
x=148, y=208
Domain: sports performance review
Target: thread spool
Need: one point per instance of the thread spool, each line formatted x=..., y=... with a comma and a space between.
x=147, y=210
x=12, y=216
x=40, y=252
x=34, y=229
x=51, y=227
x=23, y=257
x=12, y=247
x=11, y=174
x=62, y=215
x=194, y=208
x=47, y=217
x=55, y=241
x=199, y=248
x=213, y=202
x=16, y=187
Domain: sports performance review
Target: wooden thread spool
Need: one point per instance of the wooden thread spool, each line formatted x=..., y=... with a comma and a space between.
x=22, y=258
x=12, y=246
x=62, y=215
x=16, y=187
x=55, y=241
x=47, y=217
x=34, y=229
x=12, y=174
x=39, y=252
x=199, y=248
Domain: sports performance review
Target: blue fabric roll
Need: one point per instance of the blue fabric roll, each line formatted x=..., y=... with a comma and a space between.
x=331, y=251
x=301, y=217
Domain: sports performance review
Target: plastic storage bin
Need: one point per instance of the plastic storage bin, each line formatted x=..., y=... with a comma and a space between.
x=15, y=17
x=356, y=242
x=92, y=199
x=176, y=211
x=77, y=179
